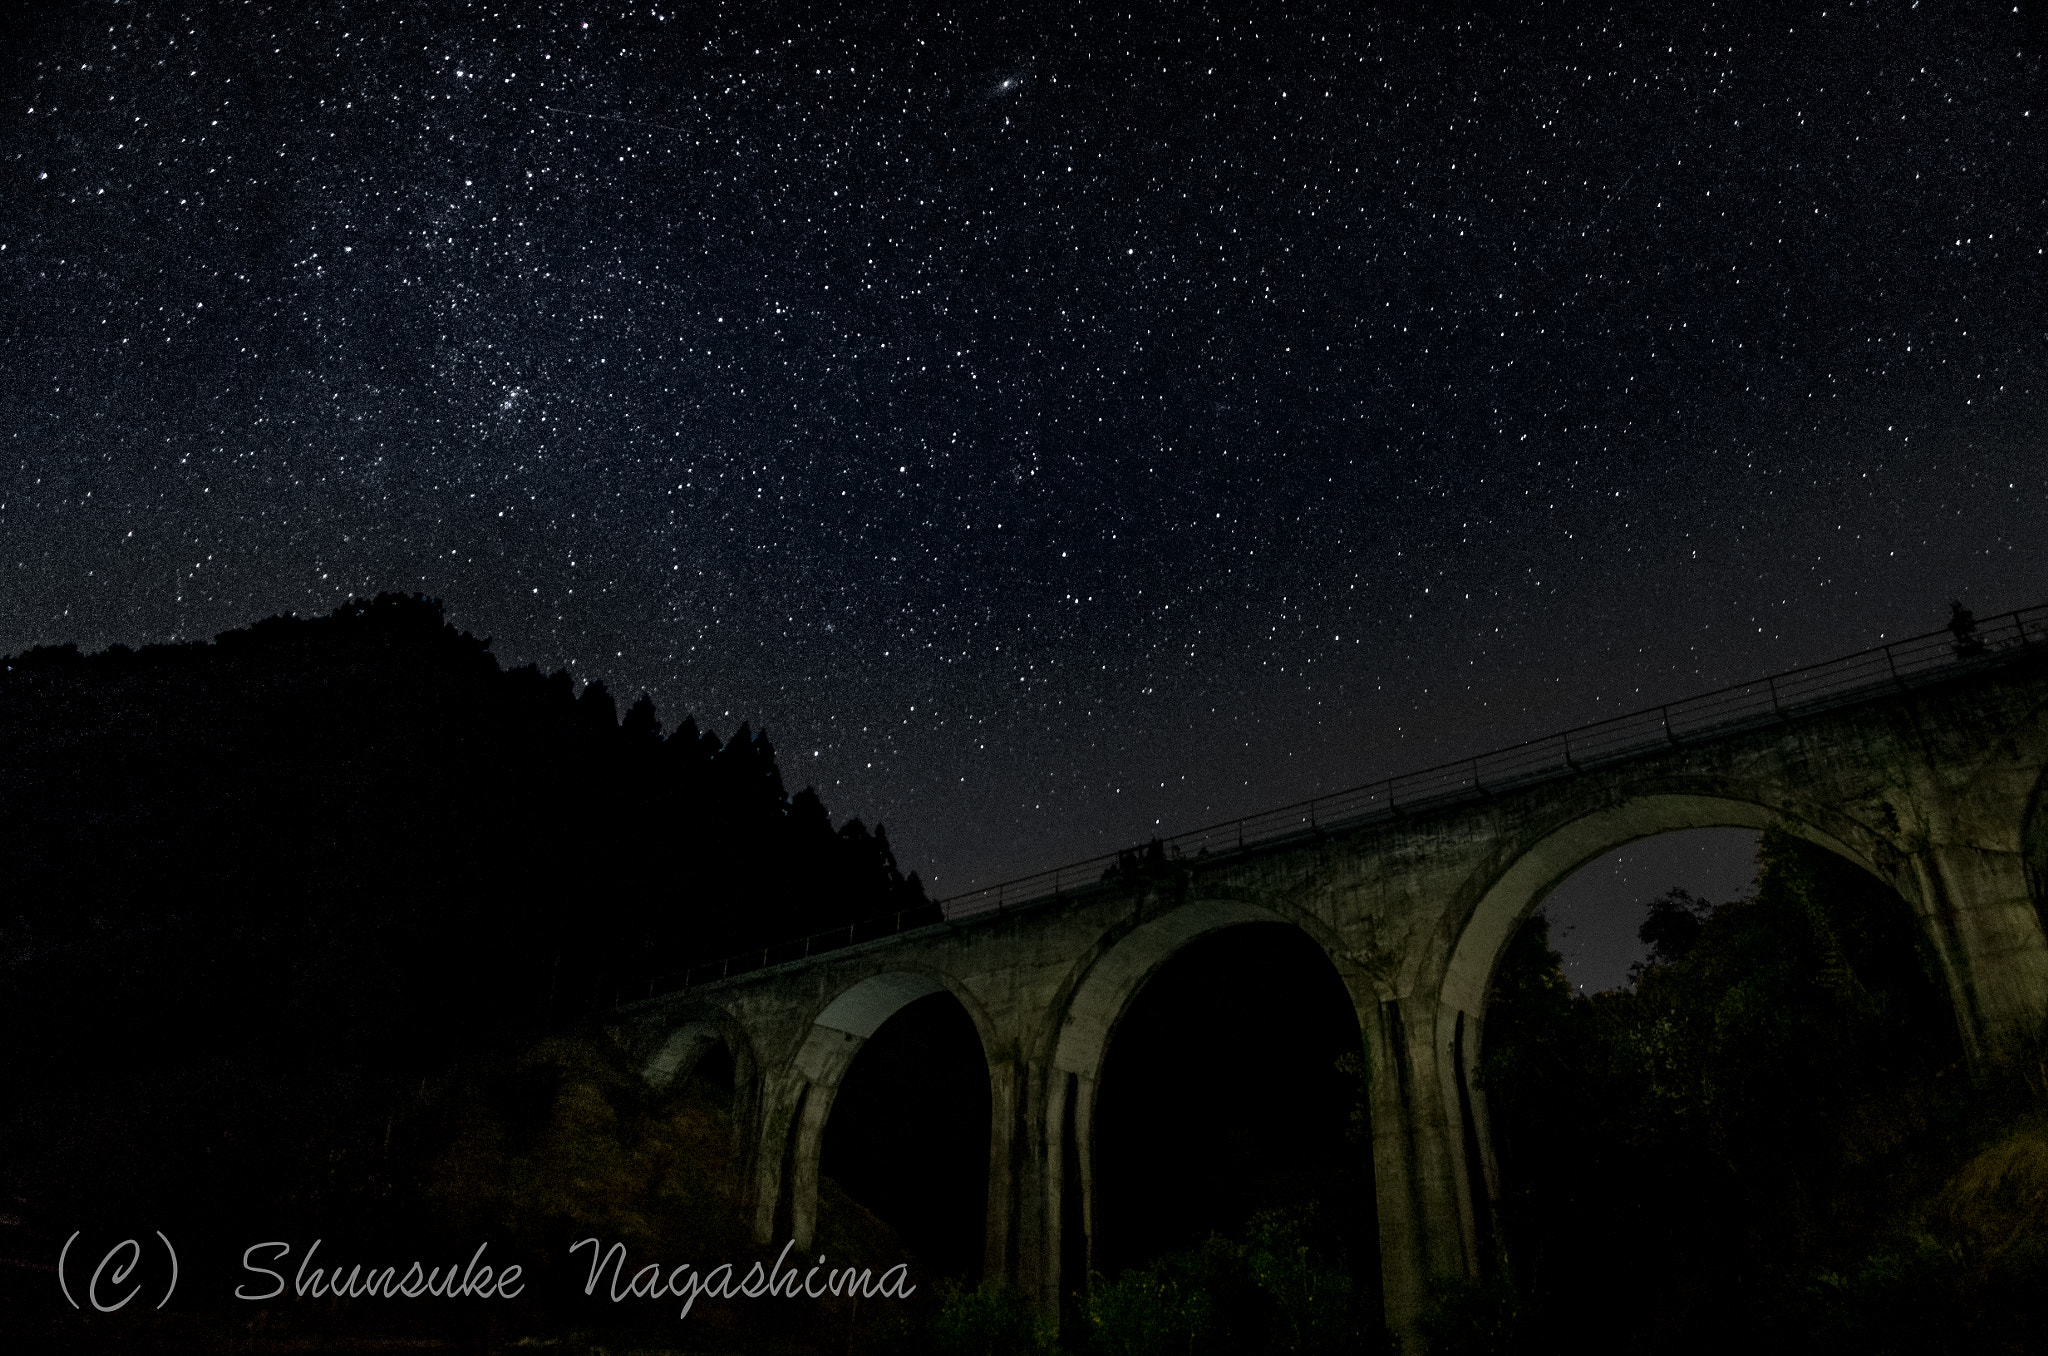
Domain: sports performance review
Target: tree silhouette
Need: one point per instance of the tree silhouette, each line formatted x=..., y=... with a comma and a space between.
x=320, y=856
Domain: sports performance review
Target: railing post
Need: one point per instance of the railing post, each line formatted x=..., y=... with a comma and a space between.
x=1772, y=683
x=1665, y=712
x=1893, y=665
x=1475, y=778
x=1566, y=740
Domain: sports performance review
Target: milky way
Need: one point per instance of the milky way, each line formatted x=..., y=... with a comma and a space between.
x=1055, y=425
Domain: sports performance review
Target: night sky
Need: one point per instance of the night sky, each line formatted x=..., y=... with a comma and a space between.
x=1054, y=423
x=1595, y=913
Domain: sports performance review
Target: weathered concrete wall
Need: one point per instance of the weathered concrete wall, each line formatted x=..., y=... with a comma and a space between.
x=1939, y=792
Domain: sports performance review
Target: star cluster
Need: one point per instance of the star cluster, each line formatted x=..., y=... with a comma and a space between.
x=1055, y=426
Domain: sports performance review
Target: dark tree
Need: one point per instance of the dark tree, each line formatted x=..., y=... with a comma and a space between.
x=1676, y=919
x=276, y=878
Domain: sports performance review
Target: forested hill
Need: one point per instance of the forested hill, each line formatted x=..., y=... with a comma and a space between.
x=376, y=769
x=355, y=842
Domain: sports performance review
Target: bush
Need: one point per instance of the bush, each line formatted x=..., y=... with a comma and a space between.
x=1185, y=1303
x=1469, y=1317
x=1967, y=1273
x=1270, y=1295
x=989, y=1321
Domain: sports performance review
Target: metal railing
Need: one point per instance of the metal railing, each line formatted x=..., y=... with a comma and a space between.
x=1899, y=665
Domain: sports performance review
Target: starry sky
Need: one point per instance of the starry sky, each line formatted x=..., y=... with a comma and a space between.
x=1055, y=423
x=1595, y=913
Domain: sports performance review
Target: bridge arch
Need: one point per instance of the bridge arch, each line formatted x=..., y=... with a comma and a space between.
x=802, y=1096
x=1516, y=891
x=1541, y=866
x=1103, y=995
x=1105, y=991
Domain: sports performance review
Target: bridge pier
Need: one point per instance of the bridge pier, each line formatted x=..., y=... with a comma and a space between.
x=1064, y=1190
x=1986, y=928
x=1006, y=1095
x=1031, y=1244
x=1418, y=1162
x=772, y=1165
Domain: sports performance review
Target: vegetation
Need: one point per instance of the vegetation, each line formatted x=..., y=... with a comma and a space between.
x=561, y=1142
x=985, y=1321
x=1271, y=1294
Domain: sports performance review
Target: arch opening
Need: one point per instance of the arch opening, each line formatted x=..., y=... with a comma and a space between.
x=714, y=1074
x=1744, y=1107
x=1222, y=1101
x=696, y=1056
x=907, y=1135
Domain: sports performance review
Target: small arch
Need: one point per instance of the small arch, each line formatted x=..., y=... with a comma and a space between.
x=705, y=1040
x=699, y=1038
x=677, y=1056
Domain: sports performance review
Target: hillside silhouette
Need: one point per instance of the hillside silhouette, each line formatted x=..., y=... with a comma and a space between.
x=255, y=887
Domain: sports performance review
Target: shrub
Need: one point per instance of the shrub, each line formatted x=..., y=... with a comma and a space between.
x=988, y=1321
x=1271, y=1295
x=1469, y=1317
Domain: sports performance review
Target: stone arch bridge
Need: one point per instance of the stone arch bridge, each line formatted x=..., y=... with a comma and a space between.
x=1922, y=762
